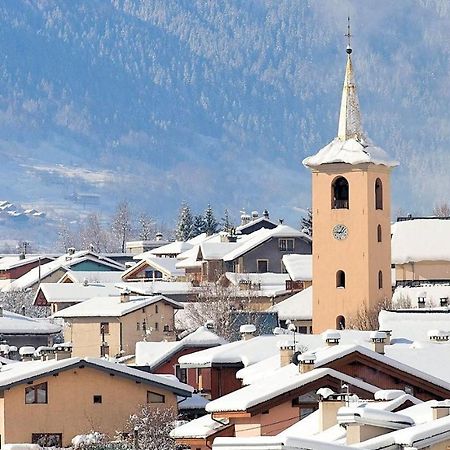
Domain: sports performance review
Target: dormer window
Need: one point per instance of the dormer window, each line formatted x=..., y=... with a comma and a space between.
x=340, y=193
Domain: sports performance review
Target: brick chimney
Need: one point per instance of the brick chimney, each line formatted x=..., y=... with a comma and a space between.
x=306, y=362
x=287, y=349
x=125, y=296
x=440, y=409
x=378, y=339
x=331, y=337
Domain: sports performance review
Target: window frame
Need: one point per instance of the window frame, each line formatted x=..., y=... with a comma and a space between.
x=104, y=328
x=262, y=260
x=283, y=244
x=378, y=194
x=156, y=396
x=340, y=203
x=34, y=388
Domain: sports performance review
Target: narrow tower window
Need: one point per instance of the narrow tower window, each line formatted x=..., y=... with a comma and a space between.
x=339, y=193
x=378, y=194
x=380, y=279
x=379, y=234
x=340, y=323
x=340, y=279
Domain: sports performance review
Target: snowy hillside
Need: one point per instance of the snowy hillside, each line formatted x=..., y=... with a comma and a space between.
x=156, y=101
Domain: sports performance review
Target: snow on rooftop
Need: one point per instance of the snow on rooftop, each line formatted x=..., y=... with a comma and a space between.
x=165, y=265
x=299, y=267
x=154, y=353
x=199, y=428
x=111, y=306
x=92, y=276
x=420, y=240
x=10, y=262
x=197, y=401
x=350, y=151
x=15, y=373
x=174, y=248
x=158, y=287
x=76, y=292
x=273, y=385
x=12, y=323
x=295, y=307
x=430, y=294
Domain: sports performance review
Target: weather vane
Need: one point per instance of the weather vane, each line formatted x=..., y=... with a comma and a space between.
x=349, y=36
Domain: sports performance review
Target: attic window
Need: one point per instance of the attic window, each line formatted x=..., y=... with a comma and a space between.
x=286, y=245
x=154, y=397
x=36, y=394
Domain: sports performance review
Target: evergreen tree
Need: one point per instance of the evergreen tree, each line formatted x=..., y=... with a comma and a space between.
x=307, y=223
x=185, y=224
x=199, y=225
x=211, y=224
x=226, y=223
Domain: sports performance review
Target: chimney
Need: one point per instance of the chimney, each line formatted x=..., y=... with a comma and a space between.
x=388, y=336
x=266, y=214
x=328, y=408
x=255, y=215
x=247, y=331
x=125, y=296
x=71, y=251
x=378, y=339
x=62, y=351
x=1, y=311
x=306, y=362
x=331, y=337
x=286, y=352
x=158, y=236
x=27, y=352
x=438, y=335
x=421, y=299
x=440, y=409
x=22, y=255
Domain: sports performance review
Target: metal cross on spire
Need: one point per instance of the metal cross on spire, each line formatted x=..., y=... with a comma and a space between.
x=349, y=117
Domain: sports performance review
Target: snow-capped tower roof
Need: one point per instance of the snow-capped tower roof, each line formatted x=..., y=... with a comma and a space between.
x=351, y=145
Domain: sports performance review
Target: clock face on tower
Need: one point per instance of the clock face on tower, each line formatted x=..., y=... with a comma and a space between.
x=340, y=232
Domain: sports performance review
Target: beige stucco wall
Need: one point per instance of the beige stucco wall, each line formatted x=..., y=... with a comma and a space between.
x=70, y=409
x=423, y=270
x=360, y=256
x=84, y=332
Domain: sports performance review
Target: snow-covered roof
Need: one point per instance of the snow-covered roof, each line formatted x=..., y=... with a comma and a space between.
x=112, y=306
x=12, y=323
x=266, y=280
x=200, y=428
x=350, y=151
x=430, y=293
x=75, y=292
x=420, y=240
x=296, y=307
x=174, y=248
x=254, y=222
x=92, y=276
x=197, y=401
x=14, y=374
x=158, y=287
x=11, y=262
x=238, y=352
x=152, y=354
x=299, y=267
x=285, y=380
x=166, y=266
x=217, y=250
x=63, y=262
x=260, y=236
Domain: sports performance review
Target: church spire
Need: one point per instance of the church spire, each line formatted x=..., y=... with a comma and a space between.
x=349, y=117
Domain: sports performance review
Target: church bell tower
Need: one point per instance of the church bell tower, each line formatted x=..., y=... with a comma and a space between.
x=351, y=218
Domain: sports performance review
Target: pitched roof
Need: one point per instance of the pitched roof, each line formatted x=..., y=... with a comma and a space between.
x=23, y=372
x=112, y=306
x=92, y=276
x=153, y=354
x=11, y=262
x=420, y=240
x=295, y=307
x=16, y=324
x=299, y=267
x=165, y=265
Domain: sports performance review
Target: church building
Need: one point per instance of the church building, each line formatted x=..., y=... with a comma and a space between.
x=351, y=219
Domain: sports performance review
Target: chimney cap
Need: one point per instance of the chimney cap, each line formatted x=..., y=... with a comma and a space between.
x=378, y=336
x=331, y=336
x=247, y=328
x=307, y=358
x=286, y=345
x=438, y=335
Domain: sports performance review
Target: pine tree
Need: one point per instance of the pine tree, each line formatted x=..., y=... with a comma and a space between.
x=307, y=223
x=198, y=226
x=211, y=224
x=185, y=224
x=226, y=224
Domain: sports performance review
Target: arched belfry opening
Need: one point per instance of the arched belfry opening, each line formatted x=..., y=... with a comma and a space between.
x=340, y=323
x=340, y=279
x=378, y=194
x=379, y=234
x=340, y=193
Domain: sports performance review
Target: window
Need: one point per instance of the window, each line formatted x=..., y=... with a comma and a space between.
x=340, y=279
x=379, y=234
x=166, y=328
x=340, y=193
x=47, y=439
x=380, y=279
x=262, y=265
x=181, y=373
x=156, y=326
x=303, y=330
x=378, y=194
x=340, y=323
x=153, y=397
x=104, y=350
x=286, y=245
x=156, y=309
x=36, y=394
x=97, y=399
x=138, y=326
x=104, y=328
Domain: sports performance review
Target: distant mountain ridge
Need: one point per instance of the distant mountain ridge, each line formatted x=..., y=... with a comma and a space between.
x=160, y=101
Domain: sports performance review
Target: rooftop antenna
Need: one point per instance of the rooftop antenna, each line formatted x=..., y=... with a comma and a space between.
x=349, y=37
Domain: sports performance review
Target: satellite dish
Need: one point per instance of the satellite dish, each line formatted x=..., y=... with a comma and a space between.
x=294, y=358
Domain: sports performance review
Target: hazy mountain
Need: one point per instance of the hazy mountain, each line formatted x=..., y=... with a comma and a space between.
x=160, y=101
